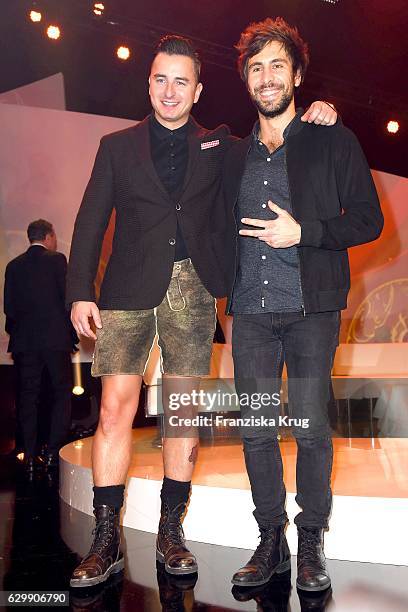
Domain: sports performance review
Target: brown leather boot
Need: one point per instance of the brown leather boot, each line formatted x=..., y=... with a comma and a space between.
x=272, y=556
x=311, y=562
x=105, y=557
x=170, y=544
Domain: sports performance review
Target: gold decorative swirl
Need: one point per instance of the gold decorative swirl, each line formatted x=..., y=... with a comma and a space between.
x=383, y=315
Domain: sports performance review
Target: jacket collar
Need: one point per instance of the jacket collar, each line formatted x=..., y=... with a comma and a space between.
x=242, y=147
x=36, y=248
x=36, y=244
x=293, y=127
x=194, y=138
x=142, y=148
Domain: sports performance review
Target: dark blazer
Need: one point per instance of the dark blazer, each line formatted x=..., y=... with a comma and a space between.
x=124, y=178
x=34, y=302
x=334, y=199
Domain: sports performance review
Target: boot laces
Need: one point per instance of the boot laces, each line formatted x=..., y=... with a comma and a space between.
x=263, y=550
x=102, y=533
x=175, y=532
x=310, y=541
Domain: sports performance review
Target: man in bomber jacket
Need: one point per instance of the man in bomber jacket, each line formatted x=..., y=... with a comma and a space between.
x=297, y=196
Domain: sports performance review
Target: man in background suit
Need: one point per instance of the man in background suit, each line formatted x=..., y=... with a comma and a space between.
x=41, y=336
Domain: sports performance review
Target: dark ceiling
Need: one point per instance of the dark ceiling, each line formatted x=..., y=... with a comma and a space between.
x=359, y=56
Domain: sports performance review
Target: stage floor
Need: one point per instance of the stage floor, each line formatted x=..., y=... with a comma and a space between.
x=379, y=466
x=370, y=488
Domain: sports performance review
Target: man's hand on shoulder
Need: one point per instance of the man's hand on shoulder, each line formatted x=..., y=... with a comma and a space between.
x=321, y=113
x=81, y=313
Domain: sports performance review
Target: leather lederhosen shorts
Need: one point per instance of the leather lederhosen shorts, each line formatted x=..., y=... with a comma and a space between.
x=184, y=322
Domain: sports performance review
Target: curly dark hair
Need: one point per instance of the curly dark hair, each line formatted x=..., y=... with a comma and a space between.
x=179, y=45
x=257, y=35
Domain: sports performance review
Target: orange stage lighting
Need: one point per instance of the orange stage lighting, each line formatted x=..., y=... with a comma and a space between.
x=35, y=16
x=392, y=127
x=53, y=32
x=123, y=53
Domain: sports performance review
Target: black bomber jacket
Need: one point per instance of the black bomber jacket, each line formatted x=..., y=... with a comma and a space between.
x=334, y=199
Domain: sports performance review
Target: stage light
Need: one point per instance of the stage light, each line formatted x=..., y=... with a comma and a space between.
x=123, y=53
x=35, y=16
x=392, y=127
x=53, y=32
x=76, y=365
x=98, y=8
x=20, y=456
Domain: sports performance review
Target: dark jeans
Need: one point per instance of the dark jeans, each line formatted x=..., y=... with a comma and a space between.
x=30, y=366
x=262, y=343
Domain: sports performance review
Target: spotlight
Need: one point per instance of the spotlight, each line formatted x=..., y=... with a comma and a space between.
x=35, y=16
x=53, y=32
x=20, y=456
x=98, y=8
x=123, y=53
x=393, y=127
x=76, y=365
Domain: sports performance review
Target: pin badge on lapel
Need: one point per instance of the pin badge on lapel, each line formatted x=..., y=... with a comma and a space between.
x=209, y=145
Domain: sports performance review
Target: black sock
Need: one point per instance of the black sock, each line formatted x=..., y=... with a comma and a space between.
x=109, y=496
x=175, y=492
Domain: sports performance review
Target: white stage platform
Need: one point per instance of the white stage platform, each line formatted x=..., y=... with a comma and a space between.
x=370, y=504
x=370, y=476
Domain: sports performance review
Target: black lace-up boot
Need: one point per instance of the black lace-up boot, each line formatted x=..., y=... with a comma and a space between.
x=311, y=562
x=105, y=557
x=271, y=557
x=170, y=544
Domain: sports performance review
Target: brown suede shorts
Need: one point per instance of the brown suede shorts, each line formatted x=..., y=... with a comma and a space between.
x=184, y=322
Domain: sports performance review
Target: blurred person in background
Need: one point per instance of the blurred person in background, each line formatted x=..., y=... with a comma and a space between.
x=41, y=337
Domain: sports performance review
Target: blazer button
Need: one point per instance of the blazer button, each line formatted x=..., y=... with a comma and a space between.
x=172, y=241
x=178, y=207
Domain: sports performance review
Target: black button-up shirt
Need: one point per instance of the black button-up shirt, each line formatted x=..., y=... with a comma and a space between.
x=169, y=150
x=268, y=279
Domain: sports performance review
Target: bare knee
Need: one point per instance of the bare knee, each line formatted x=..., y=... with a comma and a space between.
x=115, y=415
x=120, y=398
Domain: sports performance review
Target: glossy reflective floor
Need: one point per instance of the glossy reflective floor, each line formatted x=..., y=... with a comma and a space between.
x=40, y=538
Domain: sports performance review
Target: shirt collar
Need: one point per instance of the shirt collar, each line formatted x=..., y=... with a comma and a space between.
x=38, y=244
x=292, y=128
x=163, y=133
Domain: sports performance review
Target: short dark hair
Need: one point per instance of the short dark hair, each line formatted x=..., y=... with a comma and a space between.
x=257, y=35
x=38, y=230
x=179, y=45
